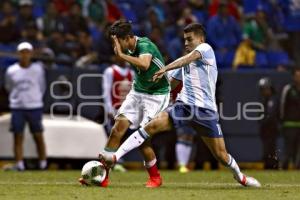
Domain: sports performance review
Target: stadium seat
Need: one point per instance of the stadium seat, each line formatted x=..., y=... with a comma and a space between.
x=128, y=13
x=261, y=59
x=276, y=58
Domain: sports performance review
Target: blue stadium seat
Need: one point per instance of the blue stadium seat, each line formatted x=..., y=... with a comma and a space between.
x=127, y=11
x=261, y=59
x=201, y=16
x=276, y=58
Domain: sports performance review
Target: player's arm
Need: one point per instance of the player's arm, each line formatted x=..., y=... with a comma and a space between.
x=178, y=63
x=142, y=62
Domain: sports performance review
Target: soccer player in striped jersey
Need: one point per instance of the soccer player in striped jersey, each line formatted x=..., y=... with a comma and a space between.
x=146, y=98
x=195, y=107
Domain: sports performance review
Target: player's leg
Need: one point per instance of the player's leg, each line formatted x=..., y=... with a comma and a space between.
x=218, y=149
x=164, y=121
x=159, y=124
x=150, y=163
x=183, y=147
x=117, y=132
x=128, y=114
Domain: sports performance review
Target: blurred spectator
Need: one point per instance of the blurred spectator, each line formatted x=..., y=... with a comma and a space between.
x=244, y=55
x=257, y=30
x=113, y=12
x=51, y=21
x=104, y=48
x=290, y=116
x=96, y=10
x=31, y=34
x=291, y=24
x=152, y=22
x=8, y=28
x=232, y=7
x=156, y=36
x=223, y=31
x=269, y=124
x=63, y=6
x=186, y=17
x=117, y=80
x=25, y=17
x=26, y=84
x=87, y=53
x=75, y=22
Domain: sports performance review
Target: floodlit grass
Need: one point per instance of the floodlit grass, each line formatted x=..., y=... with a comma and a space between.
x=62, y=185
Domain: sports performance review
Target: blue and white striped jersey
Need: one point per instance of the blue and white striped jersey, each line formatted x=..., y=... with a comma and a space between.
x=199, y=79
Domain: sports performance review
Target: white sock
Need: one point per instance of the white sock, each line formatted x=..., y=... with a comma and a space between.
x=135, y=140
x=150, y=163
x=21, y=165
x=43, y=164
x=183, y=152
x=233, y=166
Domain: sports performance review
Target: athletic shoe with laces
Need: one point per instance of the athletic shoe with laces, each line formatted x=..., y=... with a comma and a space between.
x=154, y=182
x=248, y=181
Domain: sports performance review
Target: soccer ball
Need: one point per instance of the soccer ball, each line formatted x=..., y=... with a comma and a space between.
x=93, y=172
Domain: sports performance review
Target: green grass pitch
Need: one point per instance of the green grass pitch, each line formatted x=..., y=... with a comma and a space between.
x=62, y=185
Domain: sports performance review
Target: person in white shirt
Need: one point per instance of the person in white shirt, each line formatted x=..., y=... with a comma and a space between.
x=26, y=84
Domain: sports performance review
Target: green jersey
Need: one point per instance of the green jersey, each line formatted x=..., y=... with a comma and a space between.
x=142, y=81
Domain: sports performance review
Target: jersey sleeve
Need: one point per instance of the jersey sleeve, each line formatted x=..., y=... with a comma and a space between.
x=145, y=48
x=177, y=74
x=207, y=54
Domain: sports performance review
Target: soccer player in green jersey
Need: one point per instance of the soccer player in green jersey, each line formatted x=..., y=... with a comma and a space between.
x=146, y=98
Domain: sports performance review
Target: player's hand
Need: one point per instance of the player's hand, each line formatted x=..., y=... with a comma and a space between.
x=158, y=75
x=117, y=46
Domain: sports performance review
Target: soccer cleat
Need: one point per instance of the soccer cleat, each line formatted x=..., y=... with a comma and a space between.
x=105, y=182
x=108, y=160
x=154, y=182
x=248, y=181
x=183, y=169
x=82, y=182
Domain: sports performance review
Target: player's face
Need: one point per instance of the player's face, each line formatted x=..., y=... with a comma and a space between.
x=124, y=43
x=191, y=41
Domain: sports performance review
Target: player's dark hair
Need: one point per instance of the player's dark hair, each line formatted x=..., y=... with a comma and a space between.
x=121, y=29
x=196, y=28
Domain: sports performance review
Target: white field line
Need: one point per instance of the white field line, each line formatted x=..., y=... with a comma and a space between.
x=166, y=184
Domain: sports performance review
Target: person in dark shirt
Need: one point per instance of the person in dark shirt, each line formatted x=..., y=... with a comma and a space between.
x=269, y=124
x=290, y=116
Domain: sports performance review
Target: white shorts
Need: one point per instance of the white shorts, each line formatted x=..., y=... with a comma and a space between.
x=140, y=108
